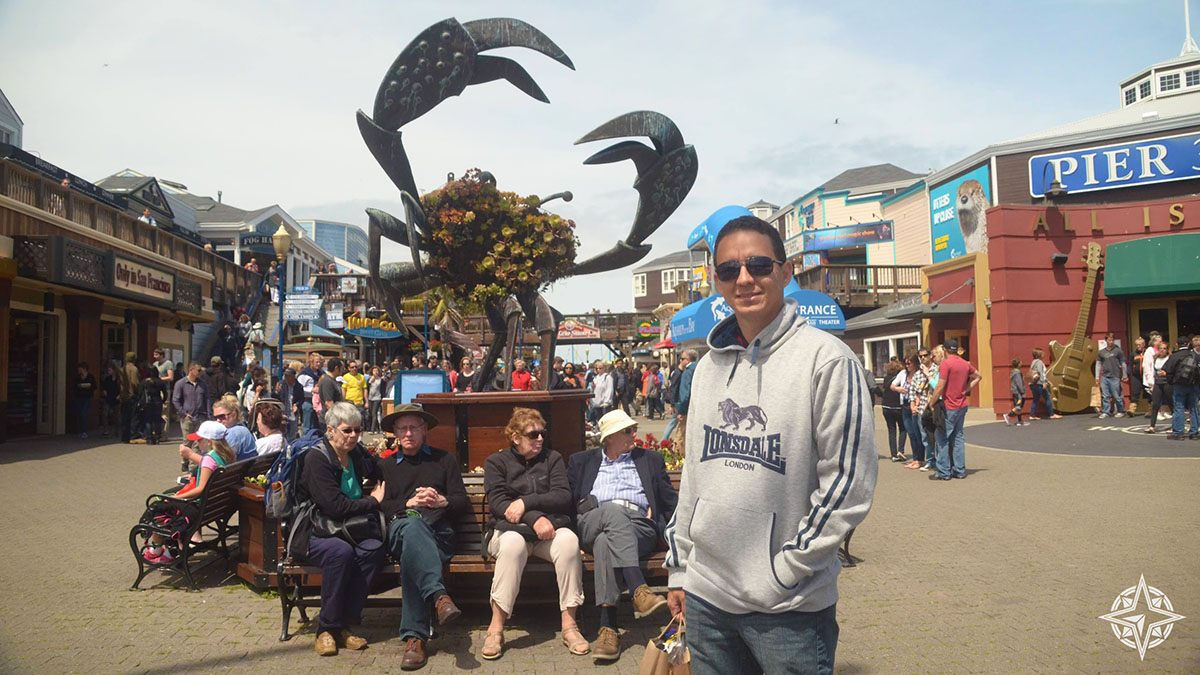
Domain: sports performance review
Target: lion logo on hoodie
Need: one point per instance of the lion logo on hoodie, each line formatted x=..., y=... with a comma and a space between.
x=734, y=415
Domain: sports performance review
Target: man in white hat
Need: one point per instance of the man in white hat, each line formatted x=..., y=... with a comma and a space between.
x=257, y=339
x=624, y=498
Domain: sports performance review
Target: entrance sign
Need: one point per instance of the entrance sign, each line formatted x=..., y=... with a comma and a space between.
x=1107, y=167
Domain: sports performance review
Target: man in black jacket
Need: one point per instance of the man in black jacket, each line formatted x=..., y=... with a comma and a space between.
x=624, y=499
x=218, y=380
x=1183, y=371
x=424, y=497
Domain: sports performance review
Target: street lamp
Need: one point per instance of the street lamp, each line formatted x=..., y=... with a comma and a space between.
x=282, y=242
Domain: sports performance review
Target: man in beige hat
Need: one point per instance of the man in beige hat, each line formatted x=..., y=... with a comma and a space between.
x=624, y=499
x=423, y=499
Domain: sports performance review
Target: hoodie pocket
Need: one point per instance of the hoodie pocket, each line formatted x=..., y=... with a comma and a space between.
x=732, y=551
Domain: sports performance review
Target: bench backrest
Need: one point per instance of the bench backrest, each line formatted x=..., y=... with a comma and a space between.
x=219, y=500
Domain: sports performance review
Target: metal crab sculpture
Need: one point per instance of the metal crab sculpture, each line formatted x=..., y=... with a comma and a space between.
x=441, y=62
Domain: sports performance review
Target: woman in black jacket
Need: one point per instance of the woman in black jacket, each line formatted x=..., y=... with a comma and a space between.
x=530, y=503
x=332, y=478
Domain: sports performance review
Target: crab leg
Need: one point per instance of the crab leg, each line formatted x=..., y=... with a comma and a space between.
x=666, y=174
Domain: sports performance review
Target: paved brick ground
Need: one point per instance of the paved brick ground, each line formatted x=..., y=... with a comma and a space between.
x=1006, y=571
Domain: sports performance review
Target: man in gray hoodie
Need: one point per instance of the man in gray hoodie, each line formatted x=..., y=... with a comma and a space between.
x=781, y=466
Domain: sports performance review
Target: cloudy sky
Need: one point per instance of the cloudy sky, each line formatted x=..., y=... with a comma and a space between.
x=257, y=99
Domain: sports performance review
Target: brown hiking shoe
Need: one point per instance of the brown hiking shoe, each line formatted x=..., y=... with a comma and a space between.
x=350, y=641
x=607, y=646
x=646, y=602
x=414, y=654
x=447, y=611
x=326, y=645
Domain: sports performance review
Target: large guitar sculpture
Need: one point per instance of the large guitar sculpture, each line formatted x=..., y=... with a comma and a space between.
x=1072, y=376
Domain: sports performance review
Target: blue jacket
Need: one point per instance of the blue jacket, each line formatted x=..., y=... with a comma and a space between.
x=685, y=390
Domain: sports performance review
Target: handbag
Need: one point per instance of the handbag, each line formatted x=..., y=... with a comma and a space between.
x=667, y=654
x=352, y=530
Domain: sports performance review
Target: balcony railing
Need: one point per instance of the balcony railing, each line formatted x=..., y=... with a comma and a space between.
x=862, y=285
x=232, y=283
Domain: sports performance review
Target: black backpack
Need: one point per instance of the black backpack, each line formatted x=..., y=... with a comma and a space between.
x=1186, y=371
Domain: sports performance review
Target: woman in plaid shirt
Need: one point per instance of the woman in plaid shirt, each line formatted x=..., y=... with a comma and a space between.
x=917, y=390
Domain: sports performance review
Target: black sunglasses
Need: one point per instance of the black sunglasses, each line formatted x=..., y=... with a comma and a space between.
x=534, y=435
x=756, y=265
x=351, y=430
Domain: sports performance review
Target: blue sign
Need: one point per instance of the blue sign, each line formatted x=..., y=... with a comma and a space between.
x=301, y=289
x=1107, y=167
x=850, y=235
x=958, y=215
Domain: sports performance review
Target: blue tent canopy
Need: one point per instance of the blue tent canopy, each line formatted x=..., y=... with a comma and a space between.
x=711, y=227
x=696, y=321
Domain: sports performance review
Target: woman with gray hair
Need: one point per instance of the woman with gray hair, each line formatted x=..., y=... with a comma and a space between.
x=332, y=478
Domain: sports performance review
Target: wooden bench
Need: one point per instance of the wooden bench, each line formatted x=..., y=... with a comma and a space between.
x=469, y=559
x=218, y=502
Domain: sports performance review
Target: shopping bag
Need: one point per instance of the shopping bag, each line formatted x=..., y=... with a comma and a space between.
x=667, y=653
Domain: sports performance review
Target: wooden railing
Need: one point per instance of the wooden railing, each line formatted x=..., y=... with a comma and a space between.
x=862, y=284
x=42, y=193
x=614, y=327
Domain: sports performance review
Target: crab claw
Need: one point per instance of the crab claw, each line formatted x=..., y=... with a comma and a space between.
x=444, y=59
x=666, y=174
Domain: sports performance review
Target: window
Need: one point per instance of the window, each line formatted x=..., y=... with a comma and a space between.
x=1144, y=89
x=1192, y=77
x=639, y=285
x=668, y=281
x=1168, y=82
x=1130, y=95
x=5, y=137
x=877, y=351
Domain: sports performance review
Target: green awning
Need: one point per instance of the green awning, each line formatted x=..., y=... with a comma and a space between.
x=1169, y=263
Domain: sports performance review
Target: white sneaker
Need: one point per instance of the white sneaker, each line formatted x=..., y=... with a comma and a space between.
x=1006, y=420
x=1162, y=416
x=83, y=435
x=1120, y=414
x=1102, y=416
x=924, y=467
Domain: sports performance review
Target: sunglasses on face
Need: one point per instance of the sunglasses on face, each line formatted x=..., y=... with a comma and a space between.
x=351, y=430
x=756, y=265
x=632, y=431
x=221, y=417
x=535, y=434
x=924, y=356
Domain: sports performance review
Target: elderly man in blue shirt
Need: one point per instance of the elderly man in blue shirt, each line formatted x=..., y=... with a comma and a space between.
x=624, y=499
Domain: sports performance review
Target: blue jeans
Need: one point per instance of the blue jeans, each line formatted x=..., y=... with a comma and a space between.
x=1110, y=391
x=1186, y=396
x=912, y=425
x=420, y=551
x=309, y=417
x=1042, y=394
x=952, y=446
x=730, y=644
x=671, y=426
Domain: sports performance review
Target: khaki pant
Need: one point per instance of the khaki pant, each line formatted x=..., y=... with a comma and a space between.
x=511, y=551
